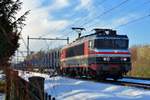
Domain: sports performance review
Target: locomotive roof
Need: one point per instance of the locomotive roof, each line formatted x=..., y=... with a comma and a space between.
x=97, y=34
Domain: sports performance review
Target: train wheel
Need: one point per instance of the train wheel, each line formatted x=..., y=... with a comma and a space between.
x=100, y=77
x=72, y=73
x=115, y=78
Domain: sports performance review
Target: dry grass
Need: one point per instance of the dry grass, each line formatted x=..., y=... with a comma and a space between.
x=2, y=86
x=140, y=61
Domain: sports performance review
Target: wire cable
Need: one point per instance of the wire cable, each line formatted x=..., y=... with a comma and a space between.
x=79, y=20
x=106, y=12
x=135, y=20
x=103, y=13
x=73, y=16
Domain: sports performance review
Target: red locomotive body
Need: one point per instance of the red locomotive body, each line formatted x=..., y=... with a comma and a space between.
x=101, y=55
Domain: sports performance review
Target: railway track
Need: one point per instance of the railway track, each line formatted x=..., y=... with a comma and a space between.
x=132, y=84
x=138, y=78
x=120, y=82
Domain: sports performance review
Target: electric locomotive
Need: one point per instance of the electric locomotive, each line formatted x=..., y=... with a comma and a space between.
x=103, y=54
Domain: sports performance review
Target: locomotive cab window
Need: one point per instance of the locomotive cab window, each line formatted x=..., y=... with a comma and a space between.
x=121, y=43
x=111, y=43
x=103, y=44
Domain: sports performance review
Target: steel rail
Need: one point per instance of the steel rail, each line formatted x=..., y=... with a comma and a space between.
x=119, y=82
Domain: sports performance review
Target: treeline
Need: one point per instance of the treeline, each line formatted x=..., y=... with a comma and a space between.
x=140, y=61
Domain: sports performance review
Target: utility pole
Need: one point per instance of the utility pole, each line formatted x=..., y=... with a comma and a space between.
x=67, y=40
x=17, y=58
x=28, y=46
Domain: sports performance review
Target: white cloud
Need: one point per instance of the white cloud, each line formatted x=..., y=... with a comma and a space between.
x=58, y=4
x=93, y=10
x=40, y=20
x=86, y=4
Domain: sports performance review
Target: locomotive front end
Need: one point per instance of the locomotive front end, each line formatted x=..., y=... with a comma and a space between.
x=110, y=55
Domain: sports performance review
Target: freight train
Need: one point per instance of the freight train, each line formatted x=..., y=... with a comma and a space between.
x=102, y=54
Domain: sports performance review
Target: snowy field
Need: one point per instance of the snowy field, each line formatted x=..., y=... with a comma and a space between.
x=73, y=89
x=2, y=77
x=2, y=96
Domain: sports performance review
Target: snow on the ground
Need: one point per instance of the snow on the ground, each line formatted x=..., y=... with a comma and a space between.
x=2, y=96
x=71, y=89
x=2, y=76
x=63, y=88
x=26, y=74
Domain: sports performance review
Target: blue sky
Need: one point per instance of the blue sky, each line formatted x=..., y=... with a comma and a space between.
x=54, y=18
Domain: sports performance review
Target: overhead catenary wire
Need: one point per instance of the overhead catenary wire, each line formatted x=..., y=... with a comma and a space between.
x=79, y=20
x=105, y=12
x=102, y=14
x=146, y=2
x=140, y=5
x=66, y=33
x=134, y=20
x=74, y=23
x=135, y=8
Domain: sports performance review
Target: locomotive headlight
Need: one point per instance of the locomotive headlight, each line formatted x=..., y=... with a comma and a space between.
x=124, y=59
x=106, y=59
